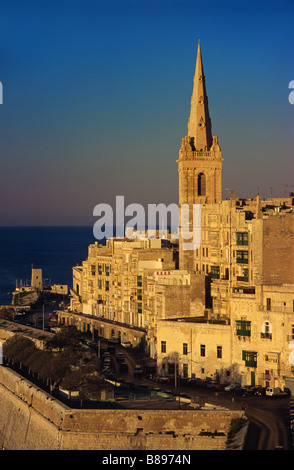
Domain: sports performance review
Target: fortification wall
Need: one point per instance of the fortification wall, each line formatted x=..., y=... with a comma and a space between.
x=32, y=419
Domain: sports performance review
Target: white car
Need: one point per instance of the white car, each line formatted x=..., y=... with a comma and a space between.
x=231, y=387
x=275, y=392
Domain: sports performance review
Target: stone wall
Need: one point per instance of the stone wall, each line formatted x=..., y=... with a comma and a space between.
x=278, y=249
x=30, y=419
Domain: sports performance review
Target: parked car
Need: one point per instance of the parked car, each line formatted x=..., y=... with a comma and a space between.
x=162, y=378
x=210, y=384
x=242, y=391
x=252, y=390
x=232, y=387
x=111, y=350
x=260, y=391
x=138, y=370
x=195, y=382
x=219, y=386
x=275, y=392
x=123, y=367
x=120, y=356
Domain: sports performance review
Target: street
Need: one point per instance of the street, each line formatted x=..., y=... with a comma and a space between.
x=268, y=417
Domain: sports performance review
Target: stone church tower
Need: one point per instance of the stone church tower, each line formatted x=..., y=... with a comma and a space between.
x=200, y=160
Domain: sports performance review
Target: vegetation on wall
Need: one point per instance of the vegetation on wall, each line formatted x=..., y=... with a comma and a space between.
x=63, y=362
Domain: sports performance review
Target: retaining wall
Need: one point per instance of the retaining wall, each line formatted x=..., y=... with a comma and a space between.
x=30, y=419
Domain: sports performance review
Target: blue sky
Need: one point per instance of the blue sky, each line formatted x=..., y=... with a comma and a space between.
x=96, y=99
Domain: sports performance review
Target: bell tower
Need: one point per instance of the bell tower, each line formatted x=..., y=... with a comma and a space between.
x=200, y=160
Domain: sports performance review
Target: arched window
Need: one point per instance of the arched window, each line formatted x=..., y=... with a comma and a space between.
x=201, y=184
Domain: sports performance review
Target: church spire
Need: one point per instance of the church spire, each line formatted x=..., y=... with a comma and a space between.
x=199, y=124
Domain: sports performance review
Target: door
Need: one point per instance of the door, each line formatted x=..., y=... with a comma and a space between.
x=253, y=379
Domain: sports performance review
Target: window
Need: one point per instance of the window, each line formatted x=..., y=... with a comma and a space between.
x=219, y=352
x=139, y=281
x=202, y=350
x=245, y=275
x=201, y=184
x=214, y=272
x=242, y=238
x=242, y=256
x=139, y=310
x=93, y=270
x=185, y=348
x=268, y=304
x=163, y=346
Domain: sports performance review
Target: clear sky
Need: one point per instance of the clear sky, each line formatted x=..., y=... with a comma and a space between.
x=96, y=99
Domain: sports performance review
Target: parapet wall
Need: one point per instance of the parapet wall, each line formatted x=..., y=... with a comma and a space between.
x=30, y=419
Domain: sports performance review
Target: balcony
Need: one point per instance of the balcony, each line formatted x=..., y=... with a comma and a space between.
x=276, y=308
x=243, y=328
x=266, y=335
x=250, y=358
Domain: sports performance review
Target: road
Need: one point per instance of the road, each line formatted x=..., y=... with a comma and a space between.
x=268, y=426
x=267, y=416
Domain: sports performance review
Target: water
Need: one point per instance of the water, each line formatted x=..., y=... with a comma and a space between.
x=53, y=249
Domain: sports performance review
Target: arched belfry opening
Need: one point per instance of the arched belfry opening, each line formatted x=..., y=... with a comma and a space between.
x=201, y=184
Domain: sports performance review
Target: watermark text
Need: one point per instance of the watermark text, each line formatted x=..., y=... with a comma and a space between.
x=184, y=221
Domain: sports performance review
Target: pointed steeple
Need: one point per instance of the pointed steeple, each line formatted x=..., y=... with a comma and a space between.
x=199, y=124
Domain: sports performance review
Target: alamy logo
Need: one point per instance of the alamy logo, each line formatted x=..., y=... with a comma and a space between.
x=291, y=96
x=184, y=219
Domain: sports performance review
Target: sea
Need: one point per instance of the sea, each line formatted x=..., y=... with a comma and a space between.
x=55, y=250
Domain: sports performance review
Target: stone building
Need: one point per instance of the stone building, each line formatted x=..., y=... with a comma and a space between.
x=246, y=255
x=111, y=285
x=223, y=310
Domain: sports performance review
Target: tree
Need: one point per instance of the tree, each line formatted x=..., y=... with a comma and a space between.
x=66, y=338
x=7, y=313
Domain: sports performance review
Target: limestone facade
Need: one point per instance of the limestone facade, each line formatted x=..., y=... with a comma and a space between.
x=111, y=284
